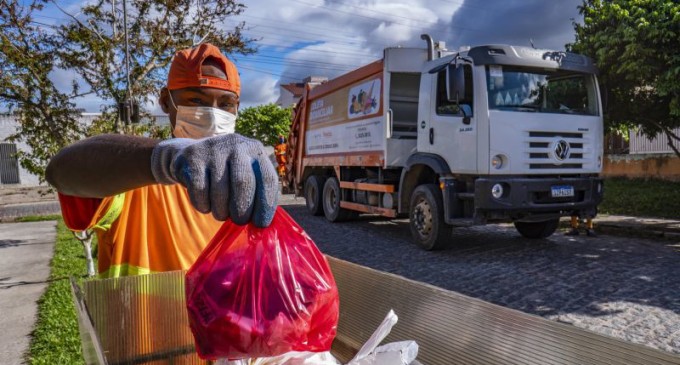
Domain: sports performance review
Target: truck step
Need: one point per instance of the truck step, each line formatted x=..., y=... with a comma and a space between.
x=461, y=222
x=466, y=196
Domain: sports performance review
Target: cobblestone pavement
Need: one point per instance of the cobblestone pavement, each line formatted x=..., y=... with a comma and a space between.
x=627, y=288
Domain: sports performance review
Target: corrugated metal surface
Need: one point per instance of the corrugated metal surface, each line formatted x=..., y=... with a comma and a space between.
x=143, y=320
x=640, y=144
x=9, y=165
x=92, y=350
x=451, y=328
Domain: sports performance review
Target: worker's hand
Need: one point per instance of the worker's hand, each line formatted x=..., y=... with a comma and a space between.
x=228, y=175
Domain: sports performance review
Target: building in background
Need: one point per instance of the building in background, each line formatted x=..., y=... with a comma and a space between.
x=290, y=93
x=11, y=173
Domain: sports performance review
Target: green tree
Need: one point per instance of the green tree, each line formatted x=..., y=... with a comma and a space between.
x=47, y=117
x=264, y=123
x=635, y=44
x=91, y=45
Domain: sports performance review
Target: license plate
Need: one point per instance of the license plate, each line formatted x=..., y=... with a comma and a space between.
x=561, y=191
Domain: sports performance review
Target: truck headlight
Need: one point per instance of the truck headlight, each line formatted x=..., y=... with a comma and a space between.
x=497, y=191
x=497, y=161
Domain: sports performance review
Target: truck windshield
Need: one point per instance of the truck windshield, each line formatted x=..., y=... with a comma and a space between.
x=540, y=90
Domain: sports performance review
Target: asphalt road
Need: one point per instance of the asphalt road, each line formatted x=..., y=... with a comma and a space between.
x=627, y=288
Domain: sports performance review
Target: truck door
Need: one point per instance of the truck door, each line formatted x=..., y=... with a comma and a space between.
x=453, y=131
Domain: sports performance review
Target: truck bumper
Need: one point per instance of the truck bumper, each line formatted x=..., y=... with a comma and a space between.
x=528, y=199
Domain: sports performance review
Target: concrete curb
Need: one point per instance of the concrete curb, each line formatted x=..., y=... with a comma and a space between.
x=11, y=212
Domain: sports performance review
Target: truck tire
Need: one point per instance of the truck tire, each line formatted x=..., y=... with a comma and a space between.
x=331, y=202
x=535, y=230
x=426, y=218
x=313, y=190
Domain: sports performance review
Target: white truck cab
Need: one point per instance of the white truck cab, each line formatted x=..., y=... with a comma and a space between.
x=518, y=132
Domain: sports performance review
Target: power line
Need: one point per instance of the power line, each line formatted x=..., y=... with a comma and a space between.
x=292, y=77
x=301, y=63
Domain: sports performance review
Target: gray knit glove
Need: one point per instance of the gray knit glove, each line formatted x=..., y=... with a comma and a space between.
x=228, y=175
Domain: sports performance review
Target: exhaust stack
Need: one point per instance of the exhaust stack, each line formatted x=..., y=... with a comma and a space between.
x=430, y=46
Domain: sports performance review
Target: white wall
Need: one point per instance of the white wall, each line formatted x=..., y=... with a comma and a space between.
x=8, y=127
x=286, y=98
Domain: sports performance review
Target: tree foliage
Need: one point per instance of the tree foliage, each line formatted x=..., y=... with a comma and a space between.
x=47, y=117
x=91, y=45
x=94, y=43
x=635, y=44
x=264, y=123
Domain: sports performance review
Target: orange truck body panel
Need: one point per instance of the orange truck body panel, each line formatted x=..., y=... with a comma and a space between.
x=327, y=126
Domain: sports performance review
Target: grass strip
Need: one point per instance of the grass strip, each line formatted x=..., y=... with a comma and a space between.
x=641, y=198
x=56, y=339
x=38, y=218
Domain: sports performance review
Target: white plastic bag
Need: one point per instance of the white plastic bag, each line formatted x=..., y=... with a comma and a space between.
x=289, y=358
x=394, y=353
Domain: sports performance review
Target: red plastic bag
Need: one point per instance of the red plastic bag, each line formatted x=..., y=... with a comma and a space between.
x=258, y=292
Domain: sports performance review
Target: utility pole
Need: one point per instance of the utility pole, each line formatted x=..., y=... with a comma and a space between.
x=128, y=109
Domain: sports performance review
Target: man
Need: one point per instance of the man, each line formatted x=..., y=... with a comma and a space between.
x=156, y=204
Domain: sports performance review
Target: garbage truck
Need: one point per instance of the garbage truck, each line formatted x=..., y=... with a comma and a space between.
x=491, y=133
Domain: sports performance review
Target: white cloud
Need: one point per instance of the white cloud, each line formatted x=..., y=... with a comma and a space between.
x=258, y=90
x=300, y=38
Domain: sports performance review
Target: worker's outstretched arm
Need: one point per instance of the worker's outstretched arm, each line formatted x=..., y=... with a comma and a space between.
x=228, y=175
x=102, y=166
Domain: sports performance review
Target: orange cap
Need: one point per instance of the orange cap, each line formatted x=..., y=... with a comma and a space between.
x=185, y=70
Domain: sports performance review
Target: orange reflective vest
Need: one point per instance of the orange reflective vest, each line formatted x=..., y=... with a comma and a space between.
x=150, y=229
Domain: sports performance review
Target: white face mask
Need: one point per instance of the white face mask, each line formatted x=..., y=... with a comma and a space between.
x=202, y=121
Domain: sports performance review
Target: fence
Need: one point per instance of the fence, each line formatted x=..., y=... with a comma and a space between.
x=640, y=144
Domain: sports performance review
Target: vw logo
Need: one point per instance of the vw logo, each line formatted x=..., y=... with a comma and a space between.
x=561, y=149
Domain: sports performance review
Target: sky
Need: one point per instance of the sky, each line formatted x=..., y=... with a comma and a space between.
x=300, y=38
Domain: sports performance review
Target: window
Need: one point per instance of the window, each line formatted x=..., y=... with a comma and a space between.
x=539, y=90
x=446, y=107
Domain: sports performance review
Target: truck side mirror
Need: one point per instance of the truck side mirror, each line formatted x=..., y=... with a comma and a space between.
x=455, y=82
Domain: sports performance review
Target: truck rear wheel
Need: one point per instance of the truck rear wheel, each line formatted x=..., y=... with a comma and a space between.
x=313, y=189
x=536, y=230
x=331, y=202
x=426, y=218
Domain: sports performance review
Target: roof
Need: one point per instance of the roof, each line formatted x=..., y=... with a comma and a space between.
x=294, y=88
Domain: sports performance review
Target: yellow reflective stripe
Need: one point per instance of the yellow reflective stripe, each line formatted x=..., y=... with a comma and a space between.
x=112, y=213
x=145, y=284
x=115, y=271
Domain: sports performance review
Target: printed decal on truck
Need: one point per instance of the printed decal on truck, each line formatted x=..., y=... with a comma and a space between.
x=364, y=99
x=358, y=136
x=360, y=100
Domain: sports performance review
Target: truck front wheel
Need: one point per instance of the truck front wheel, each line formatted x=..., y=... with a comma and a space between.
x=331, y=202
x=536, y=230
x=313, y=189
x=426, y=218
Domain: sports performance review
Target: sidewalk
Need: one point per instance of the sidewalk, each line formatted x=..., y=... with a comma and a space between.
x=25, y=253
x=618, y=225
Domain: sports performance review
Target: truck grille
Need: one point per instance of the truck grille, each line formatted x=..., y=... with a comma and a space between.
x=541, y=150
